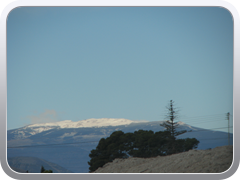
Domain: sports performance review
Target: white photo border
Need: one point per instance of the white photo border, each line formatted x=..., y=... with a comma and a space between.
x=106, y=176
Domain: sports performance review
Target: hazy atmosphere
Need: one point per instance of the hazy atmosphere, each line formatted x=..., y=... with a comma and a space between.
x=76, y=63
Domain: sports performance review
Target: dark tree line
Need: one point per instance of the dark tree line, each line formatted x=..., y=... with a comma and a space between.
x=138, y=144
x=142, y=143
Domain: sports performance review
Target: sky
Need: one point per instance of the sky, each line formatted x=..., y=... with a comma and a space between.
x=76, y=63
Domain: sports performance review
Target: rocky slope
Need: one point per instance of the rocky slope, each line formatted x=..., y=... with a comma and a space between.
x=215, y=160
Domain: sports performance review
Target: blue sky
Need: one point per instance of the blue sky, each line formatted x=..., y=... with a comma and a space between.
x=75, y=63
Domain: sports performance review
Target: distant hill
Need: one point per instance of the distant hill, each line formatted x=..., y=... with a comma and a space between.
x=33, y=165
x=68, y=143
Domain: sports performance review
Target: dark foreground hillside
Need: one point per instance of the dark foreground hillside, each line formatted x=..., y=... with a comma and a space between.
x=215, y=160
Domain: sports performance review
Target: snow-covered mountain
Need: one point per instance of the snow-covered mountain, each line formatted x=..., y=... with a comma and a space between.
x=34, y=129
x=68, y=143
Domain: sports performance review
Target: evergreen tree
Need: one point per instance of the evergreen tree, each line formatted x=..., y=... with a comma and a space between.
x=170, y=123
x=107, y=150
x=42, y=169
x=171, y=126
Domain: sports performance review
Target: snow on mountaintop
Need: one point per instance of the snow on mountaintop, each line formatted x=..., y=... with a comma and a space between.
x=103, y=122
x=88, y=123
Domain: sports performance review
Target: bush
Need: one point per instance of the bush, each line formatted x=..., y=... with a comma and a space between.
x=43, y=170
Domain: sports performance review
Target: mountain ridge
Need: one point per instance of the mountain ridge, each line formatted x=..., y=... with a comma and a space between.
x=87, y=123
x=70, y=147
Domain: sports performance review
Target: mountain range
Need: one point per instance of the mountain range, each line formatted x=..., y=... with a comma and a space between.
x=68, y=144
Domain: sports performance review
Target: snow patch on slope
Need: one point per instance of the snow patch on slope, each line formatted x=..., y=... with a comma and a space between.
x=68, y=134
x=185, y=125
